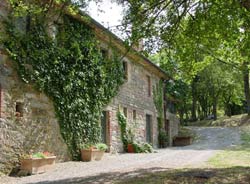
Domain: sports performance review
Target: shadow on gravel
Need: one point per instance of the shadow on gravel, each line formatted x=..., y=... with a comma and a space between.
x=161, y=175
x=110, y=177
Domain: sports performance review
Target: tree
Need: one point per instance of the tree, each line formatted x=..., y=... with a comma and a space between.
x=216, y=29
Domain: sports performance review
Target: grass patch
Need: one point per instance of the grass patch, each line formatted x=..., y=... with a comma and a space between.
x=229, y=166
x=234, y=121
x=237, y=156
x=194, y=176
x=231, y=158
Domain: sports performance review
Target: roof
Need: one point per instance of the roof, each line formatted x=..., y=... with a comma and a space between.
x=107, y=36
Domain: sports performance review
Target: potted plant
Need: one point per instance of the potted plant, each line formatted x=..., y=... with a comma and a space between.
x=101, y=149
x=38, y=162
x=163, y=139
x=91, y=152
x=130, y=139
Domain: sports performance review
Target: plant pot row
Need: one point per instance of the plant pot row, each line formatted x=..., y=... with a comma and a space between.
x=41, y=162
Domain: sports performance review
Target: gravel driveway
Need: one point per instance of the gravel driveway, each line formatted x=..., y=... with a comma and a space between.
x=114, y=167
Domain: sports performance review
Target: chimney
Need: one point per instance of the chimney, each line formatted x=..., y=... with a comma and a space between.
x=138, y=45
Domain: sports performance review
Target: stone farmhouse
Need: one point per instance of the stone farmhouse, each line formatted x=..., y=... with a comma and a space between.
x=36, y=127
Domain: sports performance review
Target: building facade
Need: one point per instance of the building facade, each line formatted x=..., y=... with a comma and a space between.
x=27, y=117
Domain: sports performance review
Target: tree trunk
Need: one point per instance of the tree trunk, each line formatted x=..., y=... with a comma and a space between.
x=246, y=86
x=194, y=100
x=215, y=108
x=181, y=113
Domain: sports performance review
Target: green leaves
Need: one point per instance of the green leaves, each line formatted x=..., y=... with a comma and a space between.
x=70, y=70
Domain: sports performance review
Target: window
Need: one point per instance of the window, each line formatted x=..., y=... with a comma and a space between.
x=125, y=69
x=23, y=24
x=105, y=54
x=149, y=85
x=19, y=109
x=166, y=125
x=134, y=115
x=125, y=112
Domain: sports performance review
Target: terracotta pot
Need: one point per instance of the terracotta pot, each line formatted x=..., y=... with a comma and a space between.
x=91, y=154
x=37, y=165
x=130, y=148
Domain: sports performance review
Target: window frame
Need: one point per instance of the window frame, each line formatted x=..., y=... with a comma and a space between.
x=149, y=86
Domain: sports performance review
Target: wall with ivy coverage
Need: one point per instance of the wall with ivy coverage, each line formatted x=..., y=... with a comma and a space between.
x=133, y=96
x=68, y=66
x=79, y=84
x=35, y=129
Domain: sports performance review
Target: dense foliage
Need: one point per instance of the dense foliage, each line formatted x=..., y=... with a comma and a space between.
x=196, y=37
x=158, y=101
x=127, y=137
x=122, y=121
x=69, y=67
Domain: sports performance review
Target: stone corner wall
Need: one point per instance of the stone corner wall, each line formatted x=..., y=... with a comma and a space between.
x=174, y=124
x=133, y=95
x=35, y=129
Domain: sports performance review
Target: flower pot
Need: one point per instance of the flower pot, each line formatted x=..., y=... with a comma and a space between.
x=37, y=165
x=91, y=154
x=130, y=148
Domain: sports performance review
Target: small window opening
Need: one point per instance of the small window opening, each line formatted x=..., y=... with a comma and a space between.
x=125, y=69
x=105, y=54
x=149, y=86
x=125, y=112
x=134, y=115
x=19, y=109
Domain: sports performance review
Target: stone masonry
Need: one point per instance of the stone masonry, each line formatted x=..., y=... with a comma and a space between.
x=28, y=122
x=133, y=95
x=33, y=127
x=174, y=124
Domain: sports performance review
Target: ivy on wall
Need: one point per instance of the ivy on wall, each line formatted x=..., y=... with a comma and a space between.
x=70, y=69
x=158, y=101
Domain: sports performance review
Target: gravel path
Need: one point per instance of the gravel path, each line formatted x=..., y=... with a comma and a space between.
x=114, y=167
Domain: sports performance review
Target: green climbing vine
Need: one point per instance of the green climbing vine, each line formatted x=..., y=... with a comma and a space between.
x=122, y=121
x=127, y=137
x=158, y=101
x=70, y=69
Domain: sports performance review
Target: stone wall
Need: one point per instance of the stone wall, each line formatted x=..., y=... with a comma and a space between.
x=133, y=95
x=33, y=128
x=174, y=124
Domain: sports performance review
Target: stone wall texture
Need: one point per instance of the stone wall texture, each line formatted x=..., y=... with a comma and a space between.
x=133, y=95
x=174, y=123
x=36, y=129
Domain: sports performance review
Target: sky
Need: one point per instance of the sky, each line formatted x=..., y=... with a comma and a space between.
x=110, y=14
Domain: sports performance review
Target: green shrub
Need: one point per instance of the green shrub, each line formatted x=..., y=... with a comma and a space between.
x=101, y=146
x=86, y=146
x=38, y=155
x=163, y=139
x=147, y=148
x=142, y=148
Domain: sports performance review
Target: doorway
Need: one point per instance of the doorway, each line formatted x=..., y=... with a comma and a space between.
x=104, y=127
x=148, y=128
